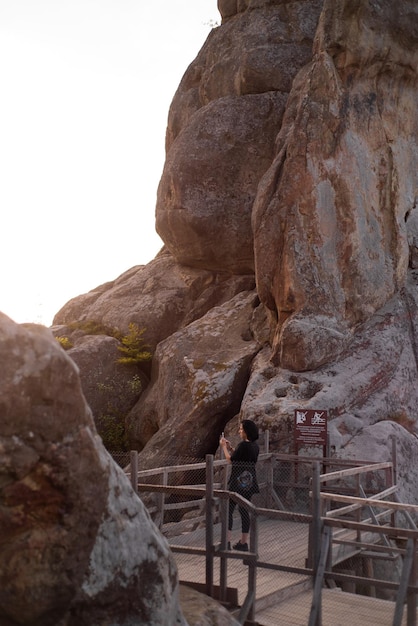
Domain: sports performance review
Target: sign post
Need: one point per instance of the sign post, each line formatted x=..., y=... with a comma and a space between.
x=310, y=428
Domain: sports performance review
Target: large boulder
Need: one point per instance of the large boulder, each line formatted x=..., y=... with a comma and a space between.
x=222, y=129
x=198, y=380
x=210, y=180
x=160, y=297
x=78, y=547
x=331, y=241
x=372, y=389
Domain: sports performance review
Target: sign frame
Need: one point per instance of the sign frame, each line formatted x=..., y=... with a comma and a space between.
x=310, y=428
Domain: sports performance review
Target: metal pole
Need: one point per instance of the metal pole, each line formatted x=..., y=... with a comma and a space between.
x=411, y=598
x=267, y=441
x=209, y=525
x=223, y=566
x=316, y=515
x=252, y=568
x=134, y=470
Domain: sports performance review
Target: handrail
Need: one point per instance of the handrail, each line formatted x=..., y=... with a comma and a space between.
x=407, y=587
x=352, y=507
x=403, y=586
x=326, y=522
x=386, y=504
x=154, y=471
x=353, y=471
x=315, y=613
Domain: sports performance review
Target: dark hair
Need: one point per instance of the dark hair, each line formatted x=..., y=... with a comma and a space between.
x=250, y=429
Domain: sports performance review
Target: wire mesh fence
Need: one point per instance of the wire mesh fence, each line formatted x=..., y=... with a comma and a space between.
x=286, y=552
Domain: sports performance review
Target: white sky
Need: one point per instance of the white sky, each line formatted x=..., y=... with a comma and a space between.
x=86, y=87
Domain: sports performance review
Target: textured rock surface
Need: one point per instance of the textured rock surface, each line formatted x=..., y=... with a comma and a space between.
x=77, y=545
x=200, y=610
x=111, y=389
x=199, y=376
x=330, y=217
x=374, y=380
x=222, y=129
x=291, y=149
x=161, y=297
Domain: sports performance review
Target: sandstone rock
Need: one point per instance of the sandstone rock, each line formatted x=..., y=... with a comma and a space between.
x=77, y=543
x=259, y=52
x=201, y=610
x=161, y=297
x=221, y=133
x=374, y=381
x=329, y=218
x=198, y=378
x=375, y=443
x=111, y=389
x=334, y=229
x=210, y=179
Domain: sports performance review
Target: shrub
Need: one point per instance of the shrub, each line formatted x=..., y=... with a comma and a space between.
x=64, y=342
x=91, y=327
x=133, y=348
x=112, y=432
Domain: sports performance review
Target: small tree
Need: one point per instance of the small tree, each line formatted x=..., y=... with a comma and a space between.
x=133, y=348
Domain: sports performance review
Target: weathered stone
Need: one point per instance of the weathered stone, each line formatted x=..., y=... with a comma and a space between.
x=161, y=297
x=260, y=51
x=210, y=180
x=201, y=610
x=334, y=228
x=198, y=379
x=329, y=219
x=111, y=389
x=221, y=133
x=372, y=382
x=376, y=443
x=68, y=516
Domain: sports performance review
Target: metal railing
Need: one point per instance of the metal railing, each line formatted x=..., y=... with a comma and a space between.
x=341, y=517
x=354, y=523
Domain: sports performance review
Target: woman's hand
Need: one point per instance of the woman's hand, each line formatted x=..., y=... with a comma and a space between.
x=226, y=447
x=224, y=442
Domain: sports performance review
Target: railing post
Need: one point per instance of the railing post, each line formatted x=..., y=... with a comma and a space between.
x=248, y=607
x=223, y=573
x=316, y=514
x=316, y=530
x=252, y=567
x=269, y=483
x=394, y=474
x=266, y=441
x=209, y=525
x=161, y=498
x=134, y=470
x=412, y=596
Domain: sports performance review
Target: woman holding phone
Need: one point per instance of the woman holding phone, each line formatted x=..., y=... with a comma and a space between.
x=243, y=479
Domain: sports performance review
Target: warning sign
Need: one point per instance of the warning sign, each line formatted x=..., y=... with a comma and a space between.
x=310, y=428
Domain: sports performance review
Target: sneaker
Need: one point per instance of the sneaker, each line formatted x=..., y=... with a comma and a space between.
x=243, y=547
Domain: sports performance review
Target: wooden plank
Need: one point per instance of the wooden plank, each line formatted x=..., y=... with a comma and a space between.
x=387, y=504
x=358, y=505
x=354, y=471
x=338, y=609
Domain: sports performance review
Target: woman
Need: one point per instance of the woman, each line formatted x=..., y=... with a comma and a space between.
x=243, y=479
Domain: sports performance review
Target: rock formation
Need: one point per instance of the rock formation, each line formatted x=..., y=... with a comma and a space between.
x=288, y=210
x=77, y=545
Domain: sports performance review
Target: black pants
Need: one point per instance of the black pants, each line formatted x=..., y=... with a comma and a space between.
x=245, y=515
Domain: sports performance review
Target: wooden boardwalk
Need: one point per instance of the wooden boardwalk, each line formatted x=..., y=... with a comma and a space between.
x=283, y=598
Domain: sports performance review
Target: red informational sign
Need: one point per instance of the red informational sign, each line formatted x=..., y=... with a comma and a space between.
x=310, y=428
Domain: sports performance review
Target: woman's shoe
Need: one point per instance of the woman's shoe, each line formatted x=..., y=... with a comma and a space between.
x=243, y=547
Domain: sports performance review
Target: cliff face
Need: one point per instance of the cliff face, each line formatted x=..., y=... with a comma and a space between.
x=288, y=209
